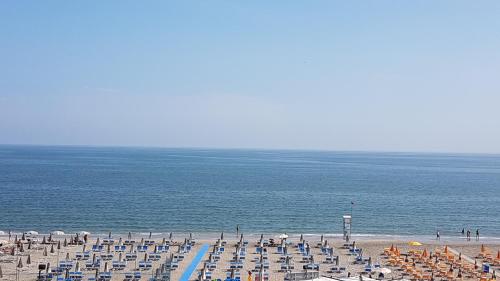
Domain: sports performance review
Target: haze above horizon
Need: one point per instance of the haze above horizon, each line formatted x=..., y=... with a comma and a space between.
x=418, y=76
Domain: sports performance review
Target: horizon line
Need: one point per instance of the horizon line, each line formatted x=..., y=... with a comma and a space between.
x=375, y=151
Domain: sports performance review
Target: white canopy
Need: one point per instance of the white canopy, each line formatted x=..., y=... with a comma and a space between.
x=2, y=233
x=283, y=236
x=57, y=232
x=83, y=233
x=32, y=232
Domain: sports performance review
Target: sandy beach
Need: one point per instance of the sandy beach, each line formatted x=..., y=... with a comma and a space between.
x=372, y=249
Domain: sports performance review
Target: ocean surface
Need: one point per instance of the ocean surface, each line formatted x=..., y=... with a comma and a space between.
x=100, y=189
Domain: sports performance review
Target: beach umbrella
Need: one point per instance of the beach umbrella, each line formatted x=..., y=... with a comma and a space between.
x=109, y=235
x=77, y=266
x=47, y=268
x=164, y=241
x=384, y=270
x=28, y=260
x=203, y=275
x=59, y=245
x=301, y=237
x=170, y=236
x=97, y=241
x=222, y=236
x=156, y=249
x=108, y=249
x=15, y=240
x=120, y=241
x=1, y=273
x=145, y=256
x=44, y=240
x=460, y=256
x=52, y=248
x=29, y=245
x=446, y=249
x=96, y=273
x=65, y=242
x=22, y=248
x=23, y=237
x=414, y=243
x=67, y=256
x=93, y=259
x=232, y=273
x=20, y=263
x=129, y=237
x=392, y=248
x=322, y=239
x=57, y=232
x=142, y=241
x=283, y=236
x=45, y=251
x=84, y=247
x=190, y=236
x=150, y=234
x=106, y=267
x=120, y=256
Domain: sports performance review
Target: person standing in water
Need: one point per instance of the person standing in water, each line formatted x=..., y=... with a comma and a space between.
x=438, y=236
x=237, y=230
x=477, y=234
x=463, y=231
x=468, y=235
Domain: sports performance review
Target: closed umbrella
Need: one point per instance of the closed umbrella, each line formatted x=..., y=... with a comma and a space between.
x=28, y=260
x=22, y=248
x=170, y=236
x=45, y=251
x=20, y=263
x=52, y=248
x=222, y=236
x=106, y=267
x=59, y=245
x=29, y=245
x=44, y=240
x=23, y=237
x=65, y=242
x=129, y=237
x=67, y=257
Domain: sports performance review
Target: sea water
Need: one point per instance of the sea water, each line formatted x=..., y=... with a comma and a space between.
x=101, y=189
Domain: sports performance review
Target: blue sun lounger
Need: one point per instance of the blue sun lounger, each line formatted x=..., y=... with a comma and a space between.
x=142, y=248
x=130, y=256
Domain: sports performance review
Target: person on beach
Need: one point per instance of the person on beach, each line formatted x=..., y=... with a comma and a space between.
x=85, y=238
x=438, y=236
x=477, y=234
x=237, y=230
x=463, y=231
x=468, y=235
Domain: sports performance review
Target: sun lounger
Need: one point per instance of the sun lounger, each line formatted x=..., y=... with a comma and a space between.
x=120, y=248
x=162, y=248
x=154, y=257
x=142, y=248
x=119, y=265
x=105, y=276
x=97, y=248
x=108, y=241
x=145, y=265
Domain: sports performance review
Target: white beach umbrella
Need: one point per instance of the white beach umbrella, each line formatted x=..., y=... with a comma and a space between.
x=2, y=233
x=283, y=236
x=57, y=232
x=384, y=270
x=32, y=232
x=81, y=233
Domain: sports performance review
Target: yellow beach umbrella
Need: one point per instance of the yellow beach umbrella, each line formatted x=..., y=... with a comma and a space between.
x=414, y=243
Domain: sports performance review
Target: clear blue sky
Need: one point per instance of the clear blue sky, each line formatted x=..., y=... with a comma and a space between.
x=337, y=75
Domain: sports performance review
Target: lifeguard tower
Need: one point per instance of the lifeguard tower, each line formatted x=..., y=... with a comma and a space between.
x=347, y=222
